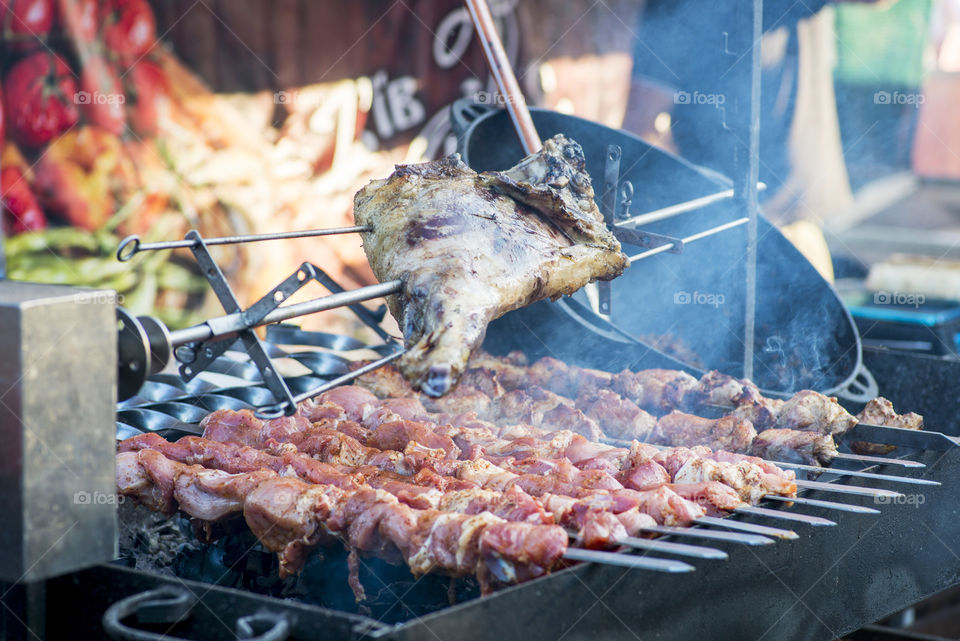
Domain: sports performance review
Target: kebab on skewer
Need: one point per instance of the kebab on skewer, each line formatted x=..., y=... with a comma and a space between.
x=600, y=411
x=593, y=503
x=290, y=517
x=797, y=430
x=506, y=446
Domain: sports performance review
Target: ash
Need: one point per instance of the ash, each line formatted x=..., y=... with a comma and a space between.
x=228, y=554
x=153, y=542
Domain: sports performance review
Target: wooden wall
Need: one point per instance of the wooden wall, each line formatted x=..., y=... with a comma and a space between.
x=249, y=45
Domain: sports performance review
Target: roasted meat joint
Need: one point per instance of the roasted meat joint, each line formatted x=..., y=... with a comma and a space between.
x=473, y=321
x=471, y=247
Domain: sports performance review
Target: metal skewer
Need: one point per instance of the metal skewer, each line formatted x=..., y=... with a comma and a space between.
x=131, y=245
x=864, y=475
x=753, y=528
x=502, y=73
x=681, y=549
x=830, y=505
x=224, y=326
x=689, y=239
x=627, y=560
x=880, y=460
x=713, y=535
x=753, y=510
x=919, y=439
x=268, y=412
x=848, y=489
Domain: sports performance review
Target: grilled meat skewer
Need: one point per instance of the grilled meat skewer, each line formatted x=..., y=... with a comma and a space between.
x=879, y=411
x=600, y=520
x=636, y=469
x=536, y=476
x=290, y=517
x=602, y=411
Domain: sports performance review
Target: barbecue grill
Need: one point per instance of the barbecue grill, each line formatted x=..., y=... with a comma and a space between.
x=866, y=537
x=820, y=585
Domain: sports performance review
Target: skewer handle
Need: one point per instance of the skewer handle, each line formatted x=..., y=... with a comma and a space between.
x=502, y=73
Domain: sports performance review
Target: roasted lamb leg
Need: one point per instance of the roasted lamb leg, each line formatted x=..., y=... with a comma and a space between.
x=471, y=247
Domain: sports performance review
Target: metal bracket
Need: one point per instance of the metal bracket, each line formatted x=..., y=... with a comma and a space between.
x=204, y=354
x=608, y=207
x=648, y=239
x=370, y=318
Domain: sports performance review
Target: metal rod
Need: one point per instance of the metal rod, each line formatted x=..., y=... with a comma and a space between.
x=692, y=238
x=675, y=210
x=745, y=186
x=864, y=475
x=880, y=460
x=712, y=535
x=349, y=376
x=829, y=505
x=919, y=439
x=502, y=73
x=269, y=412
x=131, y=245
x=753, y=528
x=847, y=489
x=232, y=323
x=627, y=560
x=753, y=510
x=680, y=549
x=681, y=208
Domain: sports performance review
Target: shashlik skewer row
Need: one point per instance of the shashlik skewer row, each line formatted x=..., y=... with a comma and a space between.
x=600, y=410
x=364, y=404
x=661, y=391
x=593, y=521
x=406, y=419
x=718, y=498
x=533, y=452
x=290, y=517
x=544, y=444
x=598, y=405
